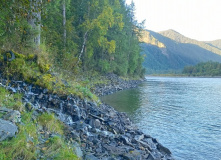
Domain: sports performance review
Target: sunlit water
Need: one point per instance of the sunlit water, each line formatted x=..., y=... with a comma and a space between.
x=184, y=114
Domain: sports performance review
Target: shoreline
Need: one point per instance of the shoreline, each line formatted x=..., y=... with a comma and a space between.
x=181, y=76
x=115, y=84
x=100, y=130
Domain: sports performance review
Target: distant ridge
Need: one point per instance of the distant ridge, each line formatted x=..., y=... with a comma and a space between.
x=177, y=52
x=174, y=35
x=216, y=43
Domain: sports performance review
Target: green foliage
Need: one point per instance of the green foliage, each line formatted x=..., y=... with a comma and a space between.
x=50, y=123
x=100, y=34
x=56, y=148
x=12, y=101
x=36, y=72
x=204, y=69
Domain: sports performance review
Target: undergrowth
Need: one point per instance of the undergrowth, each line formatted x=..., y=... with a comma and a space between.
x=56, y=148
x=24, y=145
x=11, y=101
x=50, y=123
x=35, y=69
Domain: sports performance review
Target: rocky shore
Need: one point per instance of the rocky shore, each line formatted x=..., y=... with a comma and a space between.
x=115, y=84
x=98, y=131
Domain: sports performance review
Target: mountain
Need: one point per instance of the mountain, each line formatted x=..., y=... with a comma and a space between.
x=170, y=51
x=210, y=46
x=216, y=43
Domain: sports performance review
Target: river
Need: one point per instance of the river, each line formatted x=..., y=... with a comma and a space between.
x=184, y=114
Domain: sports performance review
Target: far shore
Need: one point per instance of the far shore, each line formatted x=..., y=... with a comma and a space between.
x=180, y=76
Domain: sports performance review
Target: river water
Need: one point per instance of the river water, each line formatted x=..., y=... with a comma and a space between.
x=184, y=114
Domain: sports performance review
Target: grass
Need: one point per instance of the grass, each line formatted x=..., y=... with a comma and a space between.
x=23, y=146
x=36, y=70
x=57, y=149
x=11, y=101
x=50, y=123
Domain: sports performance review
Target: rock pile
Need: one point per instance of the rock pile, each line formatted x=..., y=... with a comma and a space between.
x=115, y=84
x=101, y=132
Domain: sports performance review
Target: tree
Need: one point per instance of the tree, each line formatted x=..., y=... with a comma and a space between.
x=34, y=19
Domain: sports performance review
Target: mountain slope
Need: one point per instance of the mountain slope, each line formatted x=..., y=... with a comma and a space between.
x=216, y=43
x=182, y=39
x=177, y=52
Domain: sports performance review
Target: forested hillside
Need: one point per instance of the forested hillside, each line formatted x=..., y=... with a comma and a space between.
x=204, y=69
x=74, y=35
x=170, y=51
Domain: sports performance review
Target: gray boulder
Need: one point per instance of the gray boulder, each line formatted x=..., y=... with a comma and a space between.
x=13, y=116
x=7, y=129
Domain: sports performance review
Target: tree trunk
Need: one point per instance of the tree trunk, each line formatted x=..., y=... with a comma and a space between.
x=82, y=48
x=34, y=20
x=64, y=23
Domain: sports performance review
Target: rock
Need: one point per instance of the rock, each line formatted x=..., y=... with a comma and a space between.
x=13, y=116
x=7, y=129
x=45, y=91
x=41, y=96
x=134, y=155
x=90, y=157
x=76, y=113
x=97, y=123
x=78, y=150
x=125, y=140
x=139, y=137
x=4, y=109
x=163, y=149
x=151, y=157
x=12, y=89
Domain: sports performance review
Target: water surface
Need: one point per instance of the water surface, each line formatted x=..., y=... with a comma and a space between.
x=184, y=114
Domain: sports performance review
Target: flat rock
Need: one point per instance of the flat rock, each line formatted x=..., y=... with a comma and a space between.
x=13, y=116
x=7, y=129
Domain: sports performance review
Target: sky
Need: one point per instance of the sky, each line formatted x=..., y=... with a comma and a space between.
x=196, y=19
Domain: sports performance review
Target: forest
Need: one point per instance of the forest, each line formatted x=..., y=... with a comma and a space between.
x=204, y=69
x=74, y=35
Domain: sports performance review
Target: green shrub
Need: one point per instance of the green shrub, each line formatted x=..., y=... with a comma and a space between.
x=56, y=148
x=51, y=123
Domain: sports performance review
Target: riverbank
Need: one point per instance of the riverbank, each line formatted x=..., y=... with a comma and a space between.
x=115, y=83
x=99, y=130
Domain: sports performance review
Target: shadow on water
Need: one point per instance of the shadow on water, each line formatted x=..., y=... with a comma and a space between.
x=127, y=101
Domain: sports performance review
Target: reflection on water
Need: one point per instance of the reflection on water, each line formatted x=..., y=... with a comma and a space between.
x=182, y=113
x=122, y=101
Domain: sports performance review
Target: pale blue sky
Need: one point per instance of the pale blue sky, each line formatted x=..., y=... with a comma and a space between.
x=197, y=19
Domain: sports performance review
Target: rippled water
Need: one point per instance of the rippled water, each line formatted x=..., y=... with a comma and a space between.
x=184, y=114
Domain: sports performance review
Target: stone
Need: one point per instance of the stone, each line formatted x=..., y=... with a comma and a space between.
x=139, y=137
x=41, y=96
x=4, y=109
x=45, y=91
x=78, y=150
x=125, y=139
x=12, y=89
x=76, y=113
x=90, y=157
x=97, y=123
x=163, y=149
x=151, y=157
x=7, y=129
x=13, y=116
